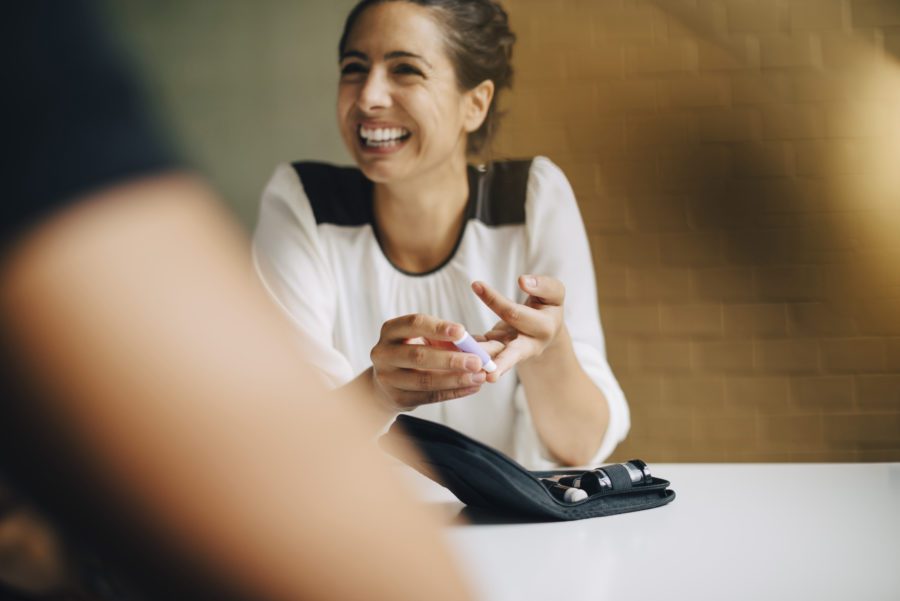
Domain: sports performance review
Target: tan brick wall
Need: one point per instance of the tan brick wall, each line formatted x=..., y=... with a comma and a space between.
x=737, y=163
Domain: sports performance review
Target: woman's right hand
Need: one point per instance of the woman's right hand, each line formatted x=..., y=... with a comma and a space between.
x=415, y=362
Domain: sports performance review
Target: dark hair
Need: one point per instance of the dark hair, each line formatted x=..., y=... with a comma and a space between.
x=479, y=43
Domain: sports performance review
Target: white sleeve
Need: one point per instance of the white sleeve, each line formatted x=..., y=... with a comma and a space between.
x=558, y=246
x=291, y=262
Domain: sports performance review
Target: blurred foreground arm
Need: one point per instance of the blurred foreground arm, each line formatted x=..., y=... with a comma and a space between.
x=166, y=379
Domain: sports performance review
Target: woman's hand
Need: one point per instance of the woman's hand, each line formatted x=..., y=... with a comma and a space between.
x=415, y=362
x=526, y=330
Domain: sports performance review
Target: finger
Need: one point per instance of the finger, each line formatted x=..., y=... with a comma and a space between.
x=508, y=358
x=501, y=336
x=548, y=290
x=411, y=400
x=493, y=347
x=420, y=325
x=502, y=332
x=444, y=344
x=421, y=356
x=425, y=380
x=518, y=316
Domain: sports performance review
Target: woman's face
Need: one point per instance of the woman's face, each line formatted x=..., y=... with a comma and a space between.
x=400, y=111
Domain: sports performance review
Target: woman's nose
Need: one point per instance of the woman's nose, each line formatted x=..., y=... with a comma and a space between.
x=375, y=92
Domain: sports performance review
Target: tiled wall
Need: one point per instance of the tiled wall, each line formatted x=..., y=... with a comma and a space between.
x=737, y=163
x=243, y=85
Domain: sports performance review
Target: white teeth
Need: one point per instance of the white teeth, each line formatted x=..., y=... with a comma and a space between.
x=382, y=134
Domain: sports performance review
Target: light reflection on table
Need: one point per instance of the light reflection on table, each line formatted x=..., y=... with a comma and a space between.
x=735, y=531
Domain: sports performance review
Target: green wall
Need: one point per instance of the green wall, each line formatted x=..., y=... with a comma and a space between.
x=241, y=84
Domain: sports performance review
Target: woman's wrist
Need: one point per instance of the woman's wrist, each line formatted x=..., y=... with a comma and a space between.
x=555, y=355
x=367, y=395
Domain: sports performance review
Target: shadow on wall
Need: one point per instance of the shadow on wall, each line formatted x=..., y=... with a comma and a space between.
x=735, y=164
x=838, y=139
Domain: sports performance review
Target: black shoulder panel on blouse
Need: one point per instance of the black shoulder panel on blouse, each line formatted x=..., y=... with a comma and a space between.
x=343, y=195
x=497, y=193
x=338, y=195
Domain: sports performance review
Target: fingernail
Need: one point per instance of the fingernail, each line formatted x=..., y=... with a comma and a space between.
x=479, y=377
x=473, y=364
x=454, y=332
x=531, y=282
x=478, y=288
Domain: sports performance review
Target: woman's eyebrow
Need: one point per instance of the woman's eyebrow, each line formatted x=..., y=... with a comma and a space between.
x=405, y=54
x=393, y=54
x=354, y=54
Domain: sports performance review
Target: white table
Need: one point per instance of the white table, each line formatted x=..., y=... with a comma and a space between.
x=734, y=531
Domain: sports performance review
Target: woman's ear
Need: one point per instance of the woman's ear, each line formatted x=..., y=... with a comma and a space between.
x=478, y=101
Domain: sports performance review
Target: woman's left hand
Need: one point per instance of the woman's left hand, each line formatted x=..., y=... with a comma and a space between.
x=527, y=329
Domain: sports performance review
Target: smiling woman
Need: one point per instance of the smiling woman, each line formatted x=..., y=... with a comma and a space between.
x=382, y=266
x=445, y=86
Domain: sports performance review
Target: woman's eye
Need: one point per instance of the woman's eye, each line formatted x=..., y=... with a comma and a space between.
x=404, y=69
x=352, y=69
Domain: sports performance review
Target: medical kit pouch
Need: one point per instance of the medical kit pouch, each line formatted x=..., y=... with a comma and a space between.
x=484, y=478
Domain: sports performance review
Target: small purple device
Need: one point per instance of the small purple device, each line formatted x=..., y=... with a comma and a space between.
x=467, y=344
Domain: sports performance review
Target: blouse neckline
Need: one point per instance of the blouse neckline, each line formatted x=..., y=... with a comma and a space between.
x=474, y=176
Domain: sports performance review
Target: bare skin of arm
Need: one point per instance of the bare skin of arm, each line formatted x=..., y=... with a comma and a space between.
x=225, y=443
x=570, y=412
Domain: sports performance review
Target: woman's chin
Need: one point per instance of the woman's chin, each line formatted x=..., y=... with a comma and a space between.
x=381, y=170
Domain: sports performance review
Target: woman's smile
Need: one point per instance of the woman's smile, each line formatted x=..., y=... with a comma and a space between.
x=381, y=138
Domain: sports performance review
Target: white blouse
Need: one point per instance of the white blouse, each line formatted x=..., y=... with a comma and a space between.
x=317, y=254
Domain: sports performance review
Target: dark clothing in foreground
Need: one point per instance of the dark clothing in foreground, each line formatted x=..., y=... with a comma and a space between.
x=75, y=124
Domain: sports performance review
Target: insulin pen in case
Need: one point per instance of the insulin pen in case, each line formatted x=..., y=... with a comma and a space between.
x=597, y=480
x=568, y=494
x=467, y=344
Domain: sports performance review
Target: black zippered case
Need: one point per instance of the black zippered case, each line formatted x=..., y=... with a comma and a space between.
x=485, y=478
